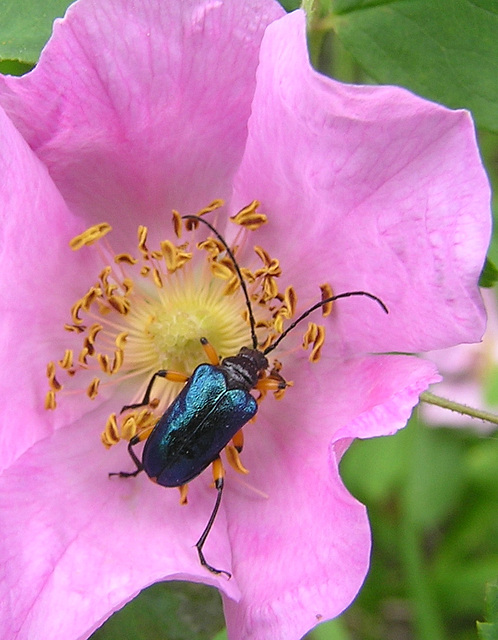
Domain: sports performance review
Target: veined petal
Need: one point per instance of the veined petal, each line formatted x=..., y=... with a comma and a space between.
x=37, y=283
x=377, y=190
x=140, y=107
x=90, y=541
x=302, y=552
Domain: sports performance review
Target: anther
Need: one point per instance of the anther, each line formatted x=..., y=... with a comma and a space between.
x=326, y=290
x=110, y=435
x=125, y=258
x=290, y=302
x=90, y=236
x=103, y=360
x=74, y=328
x=93, y=331
x=248, y=217
x=52, y=380
x=156, y=276
x=50, y=403
x=177, y=223
x=220, y=270
x=93, y=388
x=120, y=304
x=120, y=340
x=83, y=356
x=215, y=204
x=314, y=335
x=142, y=239
x=118, y=361
x=67, y=360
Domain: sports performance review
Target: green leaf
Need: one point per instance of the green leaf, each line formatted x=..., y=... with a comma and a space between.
x=445, y=50
x=489, y=275
x=373, y=468
x=290, y=5
x=172, y=610
x=26, y=26
x=489, y=630
x=14, y=67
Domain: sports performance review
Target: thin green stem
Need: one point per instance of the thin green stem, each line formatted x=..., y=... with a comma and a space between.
x=427, y=621
x=465, y=410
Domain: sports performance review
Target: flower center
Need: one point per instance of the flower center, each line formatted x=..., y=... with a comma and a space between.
x=169, y=327
x=148, y=312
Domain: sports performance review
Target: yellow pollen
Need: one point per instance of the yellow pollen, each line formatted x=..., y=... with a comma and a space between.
x=50, y=402
x=93, y=331
x=93, y=388
x=82, y=357
x=121, y=339
x=315, y=335
x=104, y=362
x=110, y=435
x=212, y=246
x=290, y=302
x=326, y=290
x=249, y=217
x=125, y=258
x=177, y=223
x=142, y=238
x=74, y=328
x=220, y=270
x=215, y=204
x=90, y=236
x=67, y=360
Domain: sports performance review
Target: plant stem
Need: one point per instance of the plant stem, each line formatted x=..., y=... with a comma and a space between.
x=465, y=410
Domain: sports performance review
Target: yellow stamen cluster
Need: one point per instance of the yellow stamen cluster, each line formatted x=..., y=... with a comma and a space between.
x=148, y=311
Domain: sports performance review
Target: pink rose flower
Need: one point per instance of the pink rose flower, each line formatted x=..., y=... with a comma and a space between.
x=136, y=109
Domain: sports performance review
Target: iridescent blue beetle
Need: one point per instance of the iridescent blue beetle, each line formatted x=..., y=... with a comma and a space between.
x=212, y=407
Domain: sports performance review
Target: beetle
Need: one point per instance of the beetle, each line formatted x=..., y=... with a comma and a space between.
x=214, y=404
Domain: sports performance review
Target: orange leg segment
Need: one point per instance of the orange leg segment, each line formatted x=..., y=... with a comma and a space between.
x=210, y=352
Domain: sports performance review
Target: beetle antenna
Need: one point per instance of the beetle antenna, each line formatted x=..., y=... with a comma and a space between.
x=252, y=322
x=316, y=306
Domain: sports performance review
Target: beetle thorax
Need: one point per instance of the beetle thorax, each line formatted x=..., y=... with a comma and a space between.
x=245, y=368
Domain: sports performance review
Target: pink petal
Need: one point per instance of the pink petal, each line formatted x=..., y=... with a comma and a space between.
x=377, y=190
x=69, y=533
x=140, y=107
x=301, y=554
x=37, y=288
x=72, y=535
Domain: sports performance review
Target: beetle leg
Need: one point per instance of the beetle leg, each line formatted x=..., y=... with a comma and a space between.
x=273, y=382
x=218, y=475
x=173, y=376
x=233, y=450
x=130, y=474
x=183, y=493
x=210, y=352
x=233, y=459
x=238, y=440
